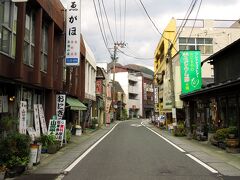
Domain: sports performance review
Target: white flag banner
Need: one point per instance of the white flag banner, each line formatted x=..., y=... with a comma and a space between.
x=23, y=117
x=42, y=119
x=73, y=33
x=36, y=120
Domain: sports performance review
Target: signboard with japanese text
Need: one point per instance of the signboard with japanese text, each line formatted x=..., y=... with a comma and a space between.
x=57, y=128
x=98, y=86
x=36, y=120
x=60, y=105
x=42, y=119
x=73, y=22
x=191, y=78
x=23, y=117
x=156, y=95
x=108, y=105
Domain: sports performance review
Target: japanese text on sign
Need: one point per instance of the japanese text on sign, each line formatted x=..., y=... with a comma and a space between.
x=60, y=105
x=73, y=33
x=57, y=128
x=23, y=117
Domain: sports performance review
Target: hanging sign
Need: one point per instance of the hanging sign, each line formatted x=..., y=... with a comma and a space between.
x=60, y=105
x=191, y=78
x=36, y=120
x=23, y=117
x=42, y=119
x=73, y=33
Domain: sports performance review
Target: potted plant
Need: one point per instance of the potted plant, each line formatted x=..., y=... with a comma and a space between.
x=68, y=135
x=219, y=138
x=50, y=142
x=15, y=152
x=232, y=142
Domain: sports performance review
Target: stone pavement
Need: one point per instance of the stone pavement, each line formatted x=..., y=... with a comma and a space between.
x=226, y=164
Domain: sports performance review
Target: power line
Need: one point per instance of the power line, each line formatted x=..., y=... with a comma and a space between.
x=101, y=27
x=107, y=21
x=125, y=9
x=139, y=58
x=115, y=14
x=195, y=18
x=190, y=9
x=104, y=32
x=155, y=24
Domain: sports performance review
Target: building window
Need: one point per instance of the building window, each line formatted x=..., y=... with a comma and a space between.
x=205, y=45
x=44, y=48
x=8, y=28
x=29, y=39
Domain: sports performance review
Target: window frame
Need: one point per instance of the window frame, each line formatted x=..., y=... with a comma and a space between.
x=44, y=49
x=185, y=45
x=10, y=28
x=30, y=41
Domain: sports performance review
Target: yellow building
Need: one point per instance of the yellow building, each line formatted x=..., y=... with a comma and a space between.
x=161, y=69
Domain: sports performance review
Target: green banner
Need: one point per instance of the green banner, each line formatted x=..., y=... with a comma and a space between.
x=191, y=76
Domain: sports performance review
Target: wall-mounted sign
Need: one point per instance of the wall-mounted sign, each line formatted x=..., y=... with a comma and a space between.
x=191, y=76
x=98, y=86
x=60, y=105
x=73, y=33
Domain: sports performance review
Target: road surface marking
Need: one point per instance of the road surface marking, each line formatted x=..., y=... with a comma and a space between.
x=180, y=149
x=71, y=166
x=136, y=125
x=202, y=163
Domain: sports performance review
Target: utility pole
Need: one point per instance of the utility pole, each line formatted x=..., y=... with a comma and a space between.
x=114, y=60
x=171, y=78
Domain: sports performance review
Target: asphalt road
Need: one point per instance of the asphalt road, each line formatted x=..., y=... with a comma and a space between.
x=132, y=152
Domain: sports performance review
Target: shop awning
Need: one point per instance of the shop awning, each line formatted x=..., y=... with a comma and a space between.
x=75, y=104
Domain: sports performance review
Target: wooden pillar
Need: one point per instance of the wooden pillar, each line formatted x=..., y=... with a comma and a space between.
x=50, y=55
x=21, y=16
x=37, y=49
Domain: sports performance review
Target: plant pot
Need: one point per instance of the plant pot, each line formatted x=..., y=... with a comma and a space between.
x=52, y=148
x=232, y=142
x=15, y=171
x=2, y=175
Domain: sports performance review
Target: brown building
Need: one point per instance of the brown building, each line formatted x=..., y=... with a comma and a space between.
x=32, y=53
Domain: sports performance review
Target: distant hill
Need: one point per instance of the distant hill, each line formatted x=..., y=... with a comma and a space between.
x=139, y=68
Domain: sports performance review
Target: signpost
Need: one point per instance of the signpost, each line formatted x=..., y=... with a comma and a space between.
x=191, y=78
x=57, y=128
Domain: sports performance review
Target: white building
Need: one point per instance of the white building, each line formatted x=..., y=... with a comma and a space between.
x=132, y=87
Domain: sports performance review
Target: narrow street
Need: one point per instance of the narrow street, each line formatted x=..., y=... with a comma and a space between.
x=133, y=152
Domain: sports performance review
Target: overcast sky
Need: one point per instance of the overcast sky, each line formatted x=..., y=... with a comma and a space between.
x=140, y=36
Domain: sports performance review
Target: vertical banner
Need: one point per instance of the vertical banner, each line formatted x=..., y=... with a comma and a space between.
x=1, y=106
x=60, y=105
x=23, y=117
x=156, y=95
x=42, y=119
x=99, y=86
x=191, y=76
x=73, y=33
x=5, y=104
x=36, y=120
